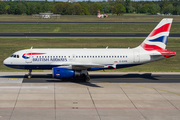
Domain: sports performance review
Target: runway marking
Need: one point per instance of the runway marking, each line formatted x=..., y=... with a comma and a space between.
x=13, y=78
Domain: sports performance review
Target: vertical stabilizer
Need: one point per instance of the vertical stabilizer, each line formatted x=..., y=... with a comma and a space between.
x=157, y=39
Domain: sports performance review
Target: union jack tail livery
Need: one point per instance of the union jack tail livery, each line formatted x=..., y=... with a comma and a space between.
x=157, y=39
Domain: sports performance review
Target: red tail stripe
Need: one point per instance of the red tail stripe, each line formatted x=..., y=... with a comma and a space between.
x=159, y=49
x=151, y=47
x=164, y=28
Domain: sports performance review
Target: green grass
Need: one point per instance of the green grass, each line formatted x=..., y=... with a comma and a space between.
x=84, y=28
x=91, y=18
x=10, y=45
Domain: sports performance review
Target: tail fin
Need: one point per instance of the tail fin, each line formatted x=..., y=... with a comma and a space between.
x=157, y=39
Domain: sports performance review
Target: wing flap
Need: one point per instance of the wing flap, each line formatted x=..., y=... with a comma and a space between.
x=79, y=65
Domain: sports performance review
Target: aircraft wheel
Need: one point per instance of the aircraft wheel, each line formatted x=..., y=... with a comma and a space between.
x=29, y=76
x=87, y=78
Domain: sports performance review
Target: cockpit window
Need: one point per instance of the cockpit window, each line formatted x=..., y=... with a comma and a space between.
x=15, y=56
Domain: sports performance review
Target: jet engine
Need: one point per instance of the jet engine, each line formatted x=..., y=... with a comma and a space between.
x=64, y=73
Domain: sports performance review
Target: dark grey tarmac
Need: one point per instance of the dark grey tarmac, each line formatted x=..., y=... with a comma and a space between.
x=109, y=78
x=79, y=35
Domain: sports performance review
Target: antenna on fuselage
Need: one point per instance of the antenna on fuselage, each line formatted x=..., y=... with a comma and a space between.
x=107, y=47
x=32, y=47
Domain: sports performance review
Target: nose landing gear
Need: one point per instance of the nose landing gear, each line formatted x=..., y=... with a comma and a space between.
x=29, y=74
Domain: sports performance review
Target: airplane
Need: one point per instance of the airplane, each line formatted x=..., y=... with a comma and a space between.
x=71, y=63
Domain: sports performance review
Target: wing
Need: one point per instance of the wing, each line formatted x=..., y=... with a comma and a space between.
x=79, y=66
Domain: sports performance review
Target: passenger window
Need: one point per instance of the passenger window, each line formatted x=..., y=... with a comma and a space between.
x=84, y=56
x=76, y=56
x=69, y=56
x=87, y=56
x=64, y=56
x=109, y=56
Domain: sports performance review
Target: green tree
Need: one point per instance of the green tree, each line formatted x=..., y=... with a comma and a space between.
x=178, y=10
x=118, y=9
x=7, y=8
x=85, y=9
x=143, y=10
x=153, y=8
x=106, y=7
x=93, y=9
x=170, y=8
x=58, y=8
x=128, y=6
x=2, y=7
x=20, y=8
x=12, y=8
x=78, y=9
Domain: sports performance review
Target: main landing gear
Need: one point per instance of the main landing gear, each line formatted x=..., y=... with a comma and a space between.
x=29, y=74
x=86, y=76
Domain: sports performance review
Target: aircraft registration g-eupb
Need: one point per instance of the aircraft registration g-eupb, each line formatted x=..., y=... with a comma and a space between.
x=69, y=63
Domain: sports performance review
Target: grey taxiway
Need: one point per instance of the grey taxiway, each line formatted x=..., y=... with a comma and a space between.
x=108, y=96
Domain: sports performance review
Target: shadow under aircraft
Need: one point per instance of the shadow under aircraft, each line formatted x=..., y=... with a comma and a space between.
x=109, y=78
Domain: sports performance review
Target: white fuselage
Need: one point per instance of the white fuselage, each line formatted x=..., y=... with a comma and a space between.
x=49, y=58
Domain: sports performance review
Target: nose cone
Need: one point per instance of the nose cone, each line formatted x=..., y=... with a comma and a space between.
x=6, y=61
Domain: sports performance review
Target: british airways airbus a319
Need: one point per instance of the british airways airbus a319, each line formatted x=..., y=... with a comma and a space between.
x=69, y=63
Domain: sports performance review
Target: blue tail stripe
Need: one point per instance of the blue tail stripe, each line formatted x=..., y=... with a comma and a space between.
x=162, y=39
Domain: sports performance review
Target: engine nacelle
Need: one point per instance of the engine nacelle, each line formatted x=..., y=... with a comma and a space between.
x=63, y=73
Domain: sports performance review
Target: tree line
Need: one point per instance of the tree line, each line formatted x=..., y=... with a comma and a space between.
x=90, y=8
